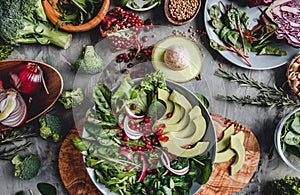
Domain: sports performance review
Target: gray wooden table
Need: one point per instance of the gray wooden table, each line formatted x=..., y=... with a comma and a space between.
x=261, y=120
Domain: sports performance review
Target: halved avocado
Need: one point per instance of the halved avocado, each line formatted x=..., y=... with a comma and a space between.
x=238, y=146
x=224, y=142
x=198, y=149
x=196, y=59
x=163, y=95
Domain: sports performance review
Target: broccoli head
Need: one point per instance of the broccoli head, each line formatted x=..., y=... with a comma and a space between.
x=90, y=63
x=26, y=168
x=26, y=22
x=5, y=51
x=284, y=186
x=50, y=127
x=71, y=99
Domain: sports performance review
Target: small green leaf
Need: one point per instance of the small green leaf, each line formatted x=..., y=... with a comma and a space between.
x=203, y=99
x=46, y=189
x=296, y=125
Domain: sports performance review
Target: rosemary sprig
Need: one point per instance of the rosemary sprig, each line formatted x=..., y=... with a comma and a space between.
x=7, y=147
x=268, y=95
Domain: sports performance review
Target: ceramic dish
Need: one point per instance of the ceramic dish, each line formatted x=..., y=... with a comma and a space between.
x=54, y=16
x=189, y=73
x=141, y=3
x=210, y=134
x=259, y=62
x=42, y=102
x=291, y=160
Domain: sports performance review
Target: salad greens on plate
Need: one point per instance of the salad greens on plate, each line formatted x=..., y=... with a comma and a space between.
x=125, y=138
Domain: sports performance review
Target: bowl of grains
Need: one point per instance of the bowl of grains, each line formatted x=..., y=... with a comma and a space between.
x=293, y=74
x=181, y=12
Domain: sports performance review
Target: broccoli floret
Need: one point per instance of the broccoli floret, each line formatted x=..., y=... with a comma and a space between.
x=26, y=22
x=90, y=63
x=71, y=99
x=5, y=51
x=50, y=127
x=26, y=168
x=284, y=186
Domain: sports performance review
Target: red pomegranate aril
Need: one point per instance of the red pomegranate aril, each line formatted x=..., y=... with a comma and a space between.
x=121, y=126
x=148, y=146
x=126, y=138
x=147, y=120
x=133, y=107
x=129, y=150
x=123, y=148
x=120, y=134
x=160, y=131
x=188, y=146
x=169, y=115
x=134, y=148
x=143, y=138
x=162, y=125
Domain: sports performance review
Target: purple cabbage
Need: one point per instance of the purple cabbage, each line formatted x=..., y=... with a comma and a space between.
x=286, y=14
x=254, y=3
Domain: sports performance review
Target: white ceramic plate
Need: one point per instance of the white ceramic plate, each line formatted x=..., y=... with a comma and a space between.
x=210, y=135
x=141, y=3
x=259, y=62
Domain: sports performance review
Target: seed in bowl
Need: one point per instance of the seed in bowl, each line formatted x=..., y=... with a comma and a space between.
x=293, y=75
x=176, y=57
x=183, y=9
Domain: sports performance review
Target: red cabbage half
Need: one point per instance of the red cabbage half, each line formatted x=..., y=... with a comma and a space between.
x=286, y=14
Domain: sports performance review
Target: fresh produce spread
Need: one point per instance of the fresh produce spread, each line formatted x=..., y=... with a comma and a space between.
x=145, y=138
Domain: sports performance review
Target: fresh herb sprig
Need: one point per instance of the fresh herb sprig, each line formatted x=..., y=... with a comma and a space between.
x=9, y=137
x=269, y=95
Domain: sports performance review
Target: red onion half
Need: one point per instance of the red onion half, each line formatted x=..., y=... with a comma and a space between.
x=13, y=109
x=28, y=78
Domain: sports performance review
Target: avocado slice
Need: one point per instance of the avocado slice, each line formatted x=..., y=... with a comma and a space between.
x=163, y=95
x=238, y=146
x=194, y=138
x=224, y=142
x=179, y=99
x=198, y=149
x=224, y=156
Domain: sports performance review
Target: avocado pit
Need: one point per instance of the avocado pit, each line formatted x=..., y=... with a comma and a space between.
x=177, y=57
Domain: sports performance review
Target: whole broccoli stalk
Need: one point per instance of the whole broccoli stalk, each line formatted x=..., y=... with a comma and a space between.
x=284, y=186
x=90, y=63
x=71, y=99
x=50, y=127
x=24, y=21
x=26, y=168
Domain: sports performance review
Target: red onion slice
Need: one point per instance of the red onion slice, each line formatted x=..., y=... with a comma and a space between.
x=166, y=162
x=132, y=134
x=132, y=115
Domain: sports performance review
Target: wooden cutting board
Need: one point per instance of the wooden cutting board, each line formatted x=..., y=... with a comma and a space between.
x=77, y=181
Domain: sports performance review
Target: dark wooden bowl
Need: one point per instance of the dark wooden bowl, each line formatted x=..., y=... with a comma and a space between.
x=175, y=21
x=54, y=16
x=41, y=102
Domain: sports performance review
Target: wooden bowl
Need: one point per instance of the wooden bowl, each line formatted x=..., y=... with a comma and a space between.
x=54, y=16
x=173, y=20
x=42, y=102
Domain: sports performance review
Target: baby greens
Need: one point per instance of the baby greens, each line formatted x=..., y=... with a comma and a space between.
x=290, y=137
x=231, y=24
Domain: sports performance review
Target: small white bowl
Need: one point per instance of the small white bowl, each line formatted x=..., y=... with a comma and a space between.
x=141, y=3
x=291, y=160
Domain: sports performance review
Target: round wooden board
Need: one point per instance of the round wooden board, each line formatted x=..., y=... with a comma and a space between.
x=77, y=181
x=220, y=182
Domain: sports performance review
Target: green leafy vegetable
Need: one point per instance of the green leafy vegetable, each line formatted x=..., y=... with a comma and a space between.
x=203, y=99
x=5, y=51
x=46, y=189
x=231, y=26
x=51, y=126
x=72, y=98
x=25, y=22
x=26, y=168
x=91, y=62
x=290, y=136
x=284, y=186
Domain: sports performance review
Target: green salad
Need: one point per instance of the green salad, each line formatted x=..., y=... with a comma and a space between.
x=133, y=131
x=290, y=136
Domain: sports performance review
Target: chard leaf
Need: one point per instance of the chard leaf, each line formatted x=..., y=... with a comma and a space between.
x=217, y=46
x=272, y=50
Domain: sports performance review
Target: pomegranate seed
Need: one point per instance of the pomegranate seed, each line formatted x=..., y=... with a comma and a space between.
x=147, y=120
x=144, y=39
x=121, y=126
x=123, y=148
x=120, y=134
x=149, y=170
x=134, y=148
x=188, y=146
x=162, y=125
x=126, y=138
x=169, y=115
x=129, y=150
x=125, y=170
x=143, y=138
x=133, y=107
x=148, y=142
x=160, y=131
x=148, y=146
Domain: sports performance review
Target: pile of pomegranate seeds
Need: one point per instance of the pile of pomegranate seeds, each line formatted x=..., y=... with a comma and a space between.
x=123, y=28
